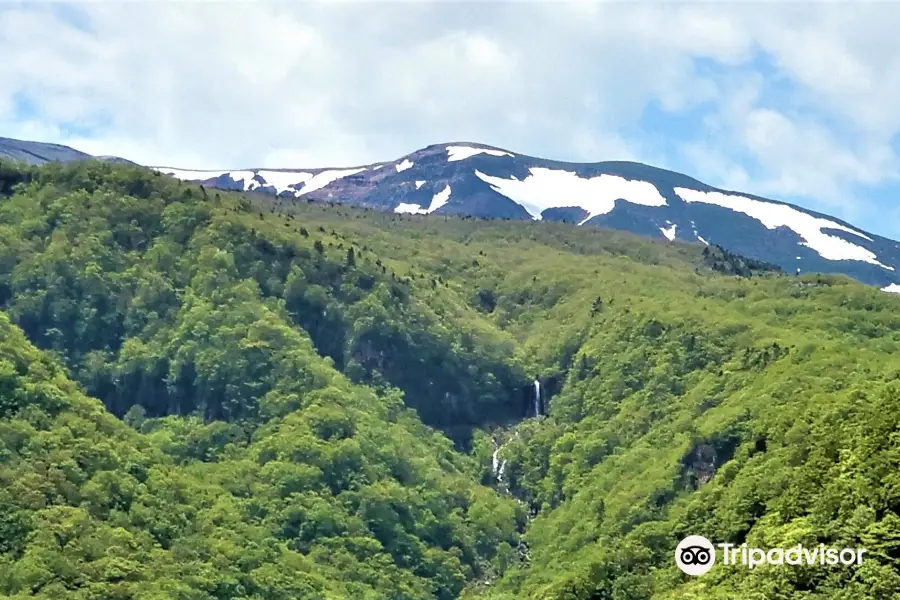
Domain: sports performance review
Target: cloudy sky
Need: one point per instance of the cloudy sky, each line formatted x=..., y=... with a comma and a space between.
x=799, y=102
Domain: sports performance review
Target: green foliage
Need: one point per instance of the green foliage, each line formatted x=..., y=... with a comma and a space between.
x=246, y=465
x=310, y=397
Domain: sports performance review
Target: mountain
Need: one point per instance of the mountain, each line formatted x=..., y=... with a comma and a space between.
x=484, y=181
x=477, y=180
x=117, y=160
x=38, y=153
x=214, y=395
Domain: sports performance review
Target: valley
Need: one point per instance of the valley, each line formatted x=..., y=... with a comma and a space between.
x=210, y=394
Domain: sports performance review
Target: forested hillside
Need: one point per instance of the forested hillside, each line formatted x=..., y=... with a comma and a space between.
x=209, y=395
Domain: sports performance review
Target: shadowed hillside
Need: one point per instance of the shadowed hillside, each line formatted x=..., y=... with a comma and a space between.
x=210, y=395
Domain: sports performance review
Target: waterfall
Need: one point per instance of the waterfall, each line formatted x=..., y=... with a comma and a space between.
x=537, y=398
x=497, y=465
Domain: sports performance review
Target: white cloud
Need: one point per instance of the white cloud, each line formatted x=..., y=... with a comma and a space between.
x=588, y=145
x=754, y=144
x=210, y=85
x=843, y=56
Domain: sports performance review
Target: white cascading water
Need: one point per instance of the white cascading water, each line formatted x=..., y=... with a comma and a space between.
x=537, y=398
x=498, y=466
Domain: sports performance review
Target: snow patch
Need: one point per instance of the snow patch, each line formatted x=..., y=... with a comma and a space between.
x=805, y=225
x=320, y=180
x=440, y=199
x=406, y=164
x=455, y=153
x=285, y=181
x=554, y=188
x=893, y=288
x=280, y=180
x=670, y=232
x=437, y=201
x=420, y=184
x=702, y=240
x=247, y=177
x=376, y=167
x=188, y=175
x=410, y=209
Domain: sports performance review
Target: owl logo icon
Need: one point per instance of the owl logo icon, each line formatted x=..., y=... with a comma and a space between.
x=695, y=555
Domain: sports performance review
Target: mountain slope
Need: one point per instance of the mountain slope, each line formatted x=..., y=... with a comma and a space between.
x=249, y=468
x=483, y=181
x=261, y=352
x=38, y=153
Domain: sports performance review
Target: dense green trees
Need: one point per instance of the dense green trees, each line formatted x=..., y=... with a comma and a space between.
x=153, y=299
x=257, y=470
x=210, y=396
x=348, y=496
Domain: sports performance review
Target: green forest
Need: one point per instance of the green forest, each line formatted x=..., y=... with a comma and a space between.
x=208, y=395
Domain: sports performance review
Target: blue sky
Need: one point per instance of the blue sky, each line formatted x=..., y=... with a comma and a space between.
x=795, y=102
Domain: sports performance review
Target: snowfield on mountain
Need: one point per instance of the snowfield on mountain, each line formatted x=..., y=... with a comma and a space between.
x=476, y=180
x=484, y=181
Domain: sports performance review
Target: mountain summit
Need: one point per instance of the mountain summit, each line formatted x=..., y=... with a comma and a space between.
x=39, y=153
x=470, y=179
x=477, y=180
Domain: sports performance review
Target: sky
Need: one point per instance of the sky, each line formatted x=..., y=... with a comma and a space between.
x=793, y=101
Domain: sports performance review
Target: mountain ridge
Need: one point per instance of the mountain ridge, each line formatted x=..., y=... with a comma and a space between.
x=215, y=395
x=481, y=180
x=38, y=153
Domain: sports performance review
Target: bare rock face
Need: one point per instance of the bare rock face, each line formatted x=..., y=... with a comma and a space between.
x=702, y=463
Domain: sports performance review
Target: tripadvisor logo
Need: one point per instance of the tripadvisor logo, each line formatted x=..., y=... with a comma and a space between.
x=696, y=555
